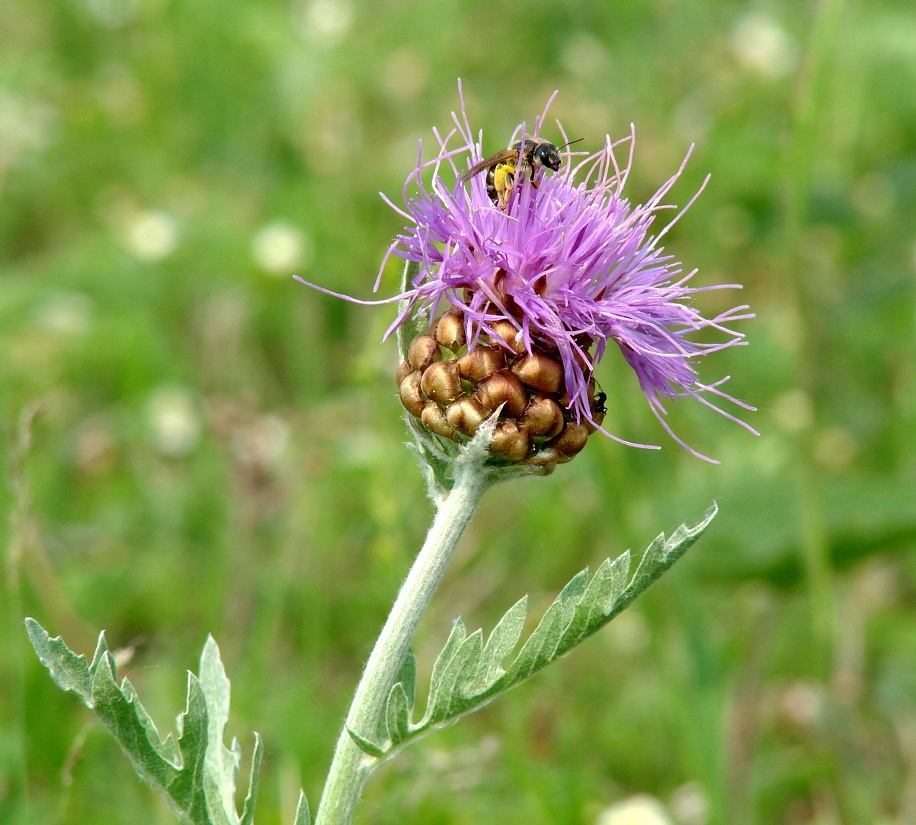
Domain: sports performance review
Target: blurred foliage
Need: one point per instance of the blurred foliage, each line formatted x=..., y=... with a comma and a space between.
x=195, y=443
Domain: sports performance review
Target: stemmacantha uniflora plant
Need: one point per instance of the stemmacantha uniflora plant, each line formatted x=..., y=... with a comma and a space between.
x=518, y=279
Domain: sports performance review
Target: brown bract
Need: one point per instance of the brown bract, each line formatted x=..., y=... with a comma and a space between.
x=452, y=392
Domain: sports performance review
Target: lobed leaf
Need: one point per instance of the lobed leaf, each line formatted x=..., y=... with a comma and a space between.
x=468, y=674
x=542, y=645
x=457, y=672
x=195, y=774
x=455, y=638
x=502, y=641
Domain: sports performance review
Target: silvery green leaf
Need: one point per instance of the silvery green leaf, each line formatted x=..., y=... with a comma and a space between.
x=435, y=459
x=397, y=715
x=602, y=591
x=222, y=763
x=466, y=667
x=456, y=637
x=665, y=552
x=366, y=745
x=407, y=677
x=502, y=641
x=247, y=817
x=302, y=811
x=195, y=774
x=467, y=675
x=69, y=671
x=407, y=680
x=446, y=696
x=540, y=649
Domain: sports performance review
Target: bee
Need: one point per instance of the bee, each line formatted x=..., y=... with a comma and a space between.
x=523, y=157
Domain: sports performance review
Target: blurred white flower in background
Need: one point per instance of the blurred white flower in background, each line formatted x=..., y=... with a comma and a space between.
x=173, y=421
x=280, y=248
x=802, y=704
x=689, y=804
x=403, y=75
x=637, y=810
x=261, y=443
x=324, y=21
x=150, y=235
x=761, y=45
x=65, y=313
x=793, y=411
x=584, y=55
x=26, y=124
x=113, y=13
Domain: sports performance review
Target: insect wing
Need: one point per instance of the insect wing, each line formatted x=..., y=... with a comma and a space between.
x=487, y=163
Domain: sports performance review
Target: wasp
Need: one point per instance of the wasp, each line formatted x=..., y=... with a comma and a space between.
x=524, y=157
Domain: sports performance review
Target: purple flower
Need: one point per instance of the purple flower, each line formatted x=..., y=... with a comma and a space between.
x=569, y=261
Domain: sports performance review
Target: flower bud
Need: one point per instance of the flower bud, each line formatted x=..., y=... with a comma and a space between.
x=435, y=421
x=594, y=402
x=441, y=382
x=571, y=440
x=404, y=369
x=543, y=418
x=422, y=351
x=510, y=440
x=480, y=362
x=409, y=393
x=450, y=330
x=502, y=387
x=547, y=457
x=510, y=334
x=540, y=372
x=467, y=414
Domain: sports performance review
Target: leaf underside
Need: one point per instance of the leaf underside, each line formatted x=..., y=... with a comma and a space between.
x=195, y=773
x=469, y=672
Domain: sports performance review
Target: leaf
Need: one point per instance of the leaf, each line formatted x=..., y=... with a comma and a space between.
x=195, y=774
x=456, y=637
x=406, y=680
x=302, y=811
x=366, y=745
x=222, y=763
x=468, y=674
x=602, y=591
x=250, y=797
x=459, y=669
x=503, y=640
x=397, y=714
x=663, y=556
x=541, y=646
x=407, y=677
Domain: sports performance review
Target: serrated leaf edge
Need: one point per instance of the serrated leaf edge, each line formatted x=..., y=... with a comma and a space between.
x=453, y=679
x=176, y=768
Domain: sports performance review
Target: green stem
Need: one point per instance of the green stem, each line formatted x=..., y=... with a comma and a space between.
x=351, y=766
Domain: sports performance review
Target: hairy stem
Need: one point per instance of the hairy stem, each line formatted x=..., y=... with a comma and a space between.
x=351, y=766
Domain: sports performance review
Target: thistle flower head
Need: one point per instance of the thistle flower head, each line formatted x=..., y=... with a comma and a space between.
x=564, y=265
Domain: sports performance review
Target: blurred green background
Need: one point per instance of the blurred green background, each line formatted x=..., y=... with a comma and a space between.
x=197, y=444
